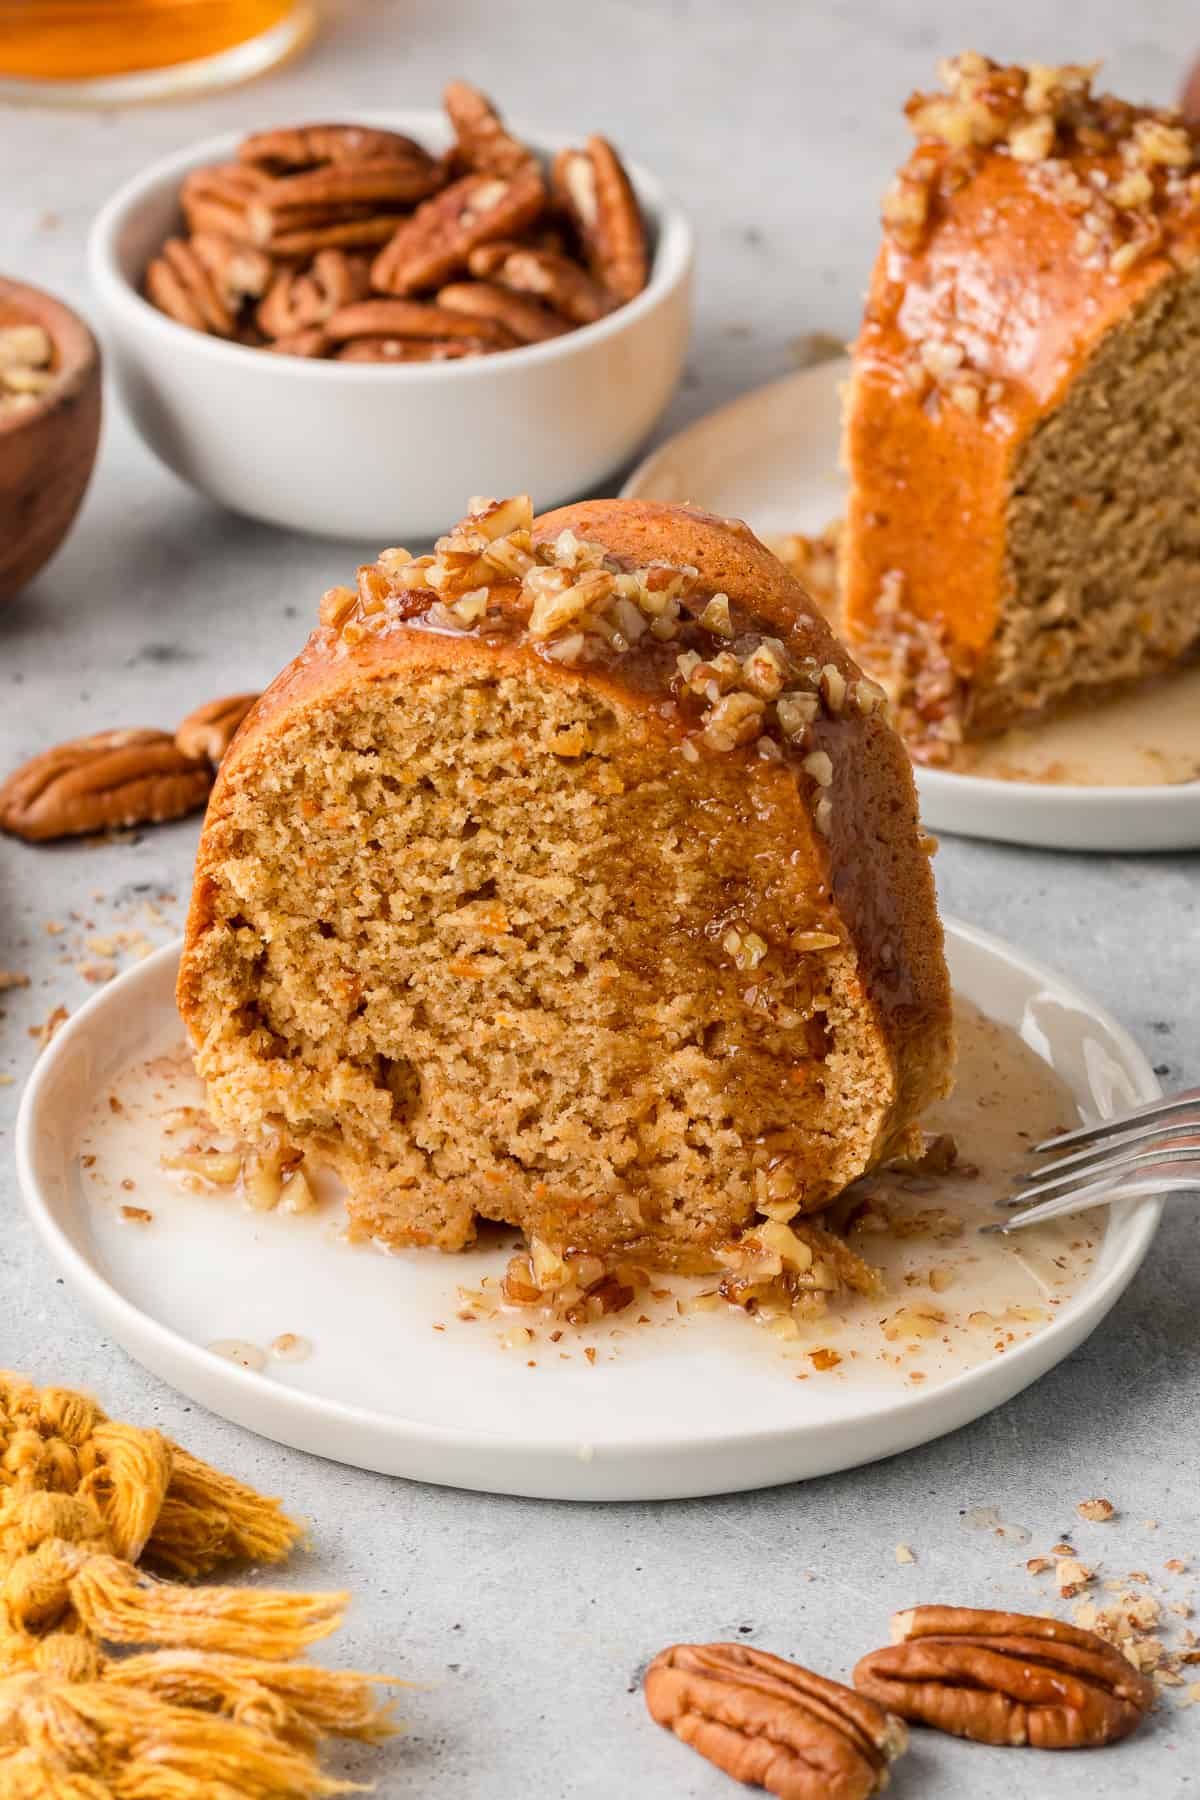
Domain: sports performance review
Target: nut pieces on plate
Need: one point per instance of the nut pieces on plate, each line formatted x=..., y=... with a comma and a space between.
x=1006, y=1678
x=115, y=779
x=348, y=242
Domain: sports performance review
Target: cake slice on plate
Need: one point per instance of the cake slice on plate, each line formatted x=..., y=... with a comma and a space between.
x=572, y=877
x=1022, y=432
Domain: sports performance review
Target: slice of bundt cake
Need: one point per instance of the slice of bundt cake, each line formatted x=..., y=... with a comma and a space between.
x=1022, y=433
x=571, y=877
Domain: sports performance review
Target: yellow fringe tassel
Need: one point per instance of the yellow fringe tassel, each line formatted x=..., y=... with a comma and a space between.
x=213, y=1709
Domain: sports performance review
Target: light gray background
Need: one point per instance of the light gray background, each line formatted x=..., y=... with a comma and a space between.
x=777, y=127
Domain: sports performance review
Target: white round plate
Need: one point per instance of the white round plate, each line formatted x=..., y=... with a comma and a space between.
x=709, y=1405
x=771, y=457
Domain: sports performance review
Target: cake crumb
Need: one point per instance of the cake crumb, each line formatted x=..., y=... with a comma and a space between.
x=138, y=1215
x=1098, y=1512
x=905, y=1554
x=1071, y=1577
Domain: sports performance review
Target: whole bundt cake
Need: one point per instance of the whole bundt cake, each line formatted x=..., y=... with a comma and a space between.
x=571, y=876
x=1021, y=433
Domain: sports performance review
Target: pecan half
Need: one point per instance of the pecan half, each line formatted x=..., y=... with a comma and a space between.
x=305, y=146
x=208, y=732
x=545, y=275
x=310, y=342
x=239, y=271
x=215, y=199
x=179, y=284
x=413, y=319
x=527, y=320
x=774, y=1725
x=435, y=242
x=294, y=302
x=410, y=350
x=483, y=144
x=1005, y=1678
x=111, y=778
x=383, y=181
x=593, y=188
x=301, y=236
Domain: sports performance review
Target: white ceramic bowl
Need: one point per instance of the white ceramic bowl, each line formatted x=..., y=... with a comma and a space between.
x=375, y=452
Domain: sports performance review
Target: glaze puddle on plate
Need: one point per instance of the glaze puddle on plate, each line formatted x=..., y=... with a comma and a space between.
x=1118, y=775
x=954, y=1299
x=703, y=1403
x=1148, y=738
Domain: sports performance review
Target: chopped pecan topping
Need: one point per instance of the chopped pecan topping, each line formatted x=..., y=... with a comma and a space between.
x=112, y=778
x=209, y=731
x=592, y=186
x=1117, y=168
x=1005, y=1678
x=771, y=1724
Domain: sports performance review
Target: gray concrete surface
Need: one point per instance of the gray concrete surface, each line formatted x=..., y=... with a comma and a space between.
x=529, y=1622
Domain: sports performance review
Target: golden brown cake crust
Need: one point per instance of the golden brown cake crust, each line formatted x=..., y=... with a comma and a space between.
x=1031, y=220
x=866, y=868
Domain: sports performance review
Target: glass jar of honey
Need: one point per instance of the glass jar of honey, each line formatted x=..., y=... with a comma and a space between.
x=110, y=51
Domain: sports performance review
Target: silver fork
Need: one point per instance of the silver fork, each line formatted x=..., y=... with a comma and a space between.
x=1152, y=1149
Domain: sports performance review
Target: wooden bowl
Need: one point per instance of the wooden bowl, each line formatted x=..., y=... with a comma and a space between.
x=47, y=451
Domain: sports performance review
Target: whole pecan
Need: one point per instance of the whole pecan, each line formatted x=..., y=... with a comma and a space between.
x=306, y=146
x=209, y=731
x=93, y=783
x=312, y=342
x=1005, y=1678
x=435, y=242
x=545, y=275
x=410, y=350
x=216, y=198
x=382, y=181
x=179, y=283
x=527, y=320
x=293, y=302
x=772, y=1724
x=239, y=271
x=414, y=319
x=483, y=142
x=593, y=188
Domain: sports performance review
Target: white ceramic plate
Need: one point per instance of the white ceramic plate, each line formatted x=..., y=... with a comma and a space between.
x=709, y=1405
x=771, y=458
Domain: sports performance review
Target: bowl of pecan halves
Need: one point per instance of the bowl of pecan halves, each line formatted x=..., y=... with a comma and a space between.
x=341, y=328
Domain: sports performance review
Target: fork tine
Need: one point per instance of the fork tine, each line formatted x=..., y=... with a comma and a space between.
x=1103, y=1164
x=1084, y=1134
x=1167, y=1178
x=1164, y=1130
